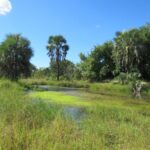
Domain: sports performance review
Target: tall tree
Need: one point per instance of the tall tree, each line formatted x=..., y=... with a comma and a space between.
x=57, y=50
x=15, y=54
x=126, y=51
x=132, y=51
x=144, y=51
x=103, y=64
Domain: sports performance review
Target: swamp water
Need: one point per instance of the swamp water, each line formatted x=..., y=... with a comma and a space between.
x=75, y=113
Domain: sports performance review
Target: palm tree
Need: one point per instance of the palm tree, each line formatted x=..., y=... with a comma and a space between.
x=126, y=50
x=57, y=50
x=15, y=55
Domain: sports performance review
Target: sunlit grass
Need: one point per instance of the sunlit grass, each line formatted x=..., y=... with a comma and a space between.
x=44, y=81
x=110, y=122
x=89, y=99
x=36, y=121
x=60, y=98
x=111, y=88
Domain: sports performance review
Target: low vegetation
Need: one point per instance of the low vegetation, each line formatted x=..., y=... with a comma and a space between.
x=107, y=88
x=37, y=121
x=30, y=82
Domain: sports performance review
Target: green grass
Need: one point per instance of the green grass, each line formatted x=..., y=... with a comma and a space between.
x=36, y=121
x=111, y=122
x=60, y=98
x=111, y=88
x=33, y=81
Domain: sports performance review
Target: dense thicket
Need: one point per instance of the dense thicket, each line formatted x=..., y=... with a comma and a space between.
x=98, y=64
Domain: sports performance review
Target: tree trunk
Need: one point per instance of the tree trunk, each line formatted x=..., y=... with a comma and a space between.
x=58, y=70
x=57, y=61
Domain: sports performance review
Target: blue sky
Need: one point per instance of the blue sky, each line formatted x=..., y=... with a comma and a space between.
x=84, y=23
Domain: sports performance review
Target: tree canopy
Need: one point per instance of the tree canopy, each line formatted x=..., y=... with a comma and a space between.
x=132, y=51
x=15, y=55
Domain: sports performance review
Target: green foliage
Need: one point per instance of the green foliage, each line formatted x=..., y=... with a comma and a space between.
x=15, y=54
x=137, y=86
x=41, y=73
x=132, y=51
x=99, y=64
x=57, y=50
x=112, y=118
x=66, y=71
x=123, y=78
x=105, y=70
x=129, y=51
x=102, y=64
x=82, y=57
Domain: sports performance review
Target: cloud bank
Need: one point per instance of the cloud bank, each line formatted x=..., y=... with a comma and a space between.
x=5, y=7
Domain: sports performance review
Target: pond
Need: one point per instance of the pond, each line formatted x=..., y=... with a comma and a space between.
x=75, y=113
x=76, y=101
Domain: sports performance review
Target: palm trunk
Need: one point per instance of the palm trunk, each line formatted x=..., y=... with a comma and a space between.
x=57, y=70
x=57, y=61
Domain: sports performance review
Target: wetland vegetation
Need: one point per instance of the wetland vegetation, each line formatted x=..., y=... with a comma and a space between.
x=71, y=119
x=101, y=103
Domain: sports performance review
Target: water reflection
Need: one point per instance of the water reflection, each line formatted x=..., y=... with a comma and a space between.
x=75, y=113
x=66, y=90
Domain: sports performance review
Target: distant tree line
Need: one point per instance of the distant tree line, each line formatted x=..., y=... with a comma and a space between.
x=128, y=53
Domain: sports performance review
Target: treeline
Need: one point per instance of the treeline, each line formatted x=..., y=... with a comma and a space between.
x=128, y=53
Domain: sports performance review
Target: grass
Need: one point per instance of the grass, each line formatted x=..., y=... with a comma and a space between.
x=60, y=98
x=111, y=88
x=36, y=121
x=33, y=81
x=113, y=122
x=21, y=120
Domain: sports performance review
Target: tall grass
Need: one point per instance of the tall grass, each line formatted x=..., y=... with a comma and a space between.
x=103, y=88
x=21, y=120
x=32, y=124
x=63, y=83
x=109, y=88
x=110, y=122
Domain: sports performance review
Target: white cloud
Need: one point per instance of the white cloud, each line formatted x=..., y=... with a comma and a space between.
x=5, y=7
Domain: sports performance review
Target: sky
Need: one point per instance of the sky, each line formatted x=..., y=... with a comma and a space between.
x=84, y=23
